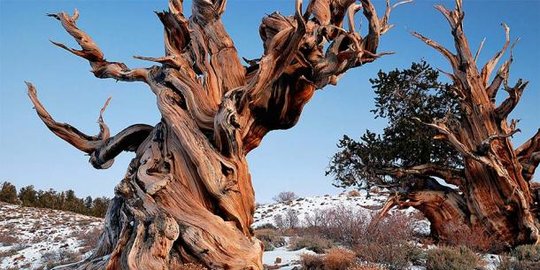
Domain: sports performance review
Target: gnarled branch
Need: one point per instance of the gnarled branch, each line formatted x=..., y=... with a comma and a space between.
x=295, y=64
x=102, y=148
x=450, y=175
x=67, y=132
x=528, y=155
x=91, y=52
x=514, y=95
x=438, y=203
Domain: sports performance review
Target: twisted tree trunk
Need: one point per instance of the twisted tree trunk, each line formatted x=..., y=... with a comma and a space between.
x=187, y=195
x=494, y=187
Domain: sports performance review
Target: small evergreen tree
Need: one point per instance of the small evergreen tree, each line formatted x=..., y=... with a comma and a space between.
x=28, y=196
x=8, y=193
x=99, y=207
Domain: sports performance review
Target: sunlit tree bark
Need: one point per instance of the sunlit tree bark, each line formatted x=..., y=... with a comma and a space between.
x=187, y=195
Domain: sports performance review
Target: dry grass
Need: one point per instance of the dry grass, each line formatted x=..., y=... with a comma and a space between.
x=312, y=262
x=388, y=242
x=339, y=258
x=7, y=238
x=61, y=257
x=339, y=224
x=90, y=239
x=366, y=266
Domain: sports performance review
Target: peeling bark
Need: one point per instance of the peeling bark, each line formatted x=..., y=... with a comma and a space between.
x=187, y=195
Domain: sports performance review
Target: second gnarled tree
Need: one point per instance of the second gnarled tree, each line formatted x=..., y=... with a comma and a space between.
x=493, y=180
x=187, y=196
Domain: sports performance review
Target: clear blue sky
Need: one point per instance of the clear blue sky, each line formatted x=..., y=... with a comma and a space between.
x=286, y=160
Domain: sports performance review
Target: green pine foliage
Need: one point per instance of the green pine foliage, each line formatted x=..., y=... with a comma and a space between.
x=402, y=97
x=8, y=193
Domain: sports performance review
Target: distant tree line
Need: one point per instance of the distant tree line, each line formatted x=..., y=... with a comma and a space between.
x=52, y=199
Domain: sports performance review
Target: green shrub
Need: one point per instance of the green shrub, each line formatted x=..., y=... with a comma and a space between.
x=393, y=256
x=452, y=258
x=334, y=259
x=313, y=243
x=270, y=238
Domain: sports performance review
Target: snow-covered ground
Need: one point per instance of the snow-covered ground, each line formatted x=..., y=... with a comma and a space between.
x=304, y=207
x=30, y=238
x=355, y=201
x=284, y=259
x=33, y=238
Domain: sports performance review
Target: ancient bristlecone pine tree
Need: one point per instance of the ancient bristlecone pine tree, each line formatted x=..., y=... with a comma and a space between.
x=494, y=191
x=187, y=195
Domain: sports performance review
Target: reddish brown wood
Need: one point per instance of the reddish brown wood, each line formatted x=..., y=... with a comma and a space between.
x=187, y=195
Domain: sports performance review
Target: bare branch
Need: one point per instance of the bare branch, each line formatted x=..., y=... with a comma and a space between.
x=464, y=56
x=206, y=11
x=351, y=11
x=484, y=147
x=531, y=145
x=371, y=40
x=67, y=132
x=385, y=26
x=514, y=95
x=502, y=76
x=454, y=17
x=280, y=52
x=295, y=62
x=104, y=132
x=177, y=35
x=444, y=51
x=170, y=60
x=490, y=65
x=91, y=52
x=128, y=139
x=102, y=147
x=479, y=49
x=446, y=134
